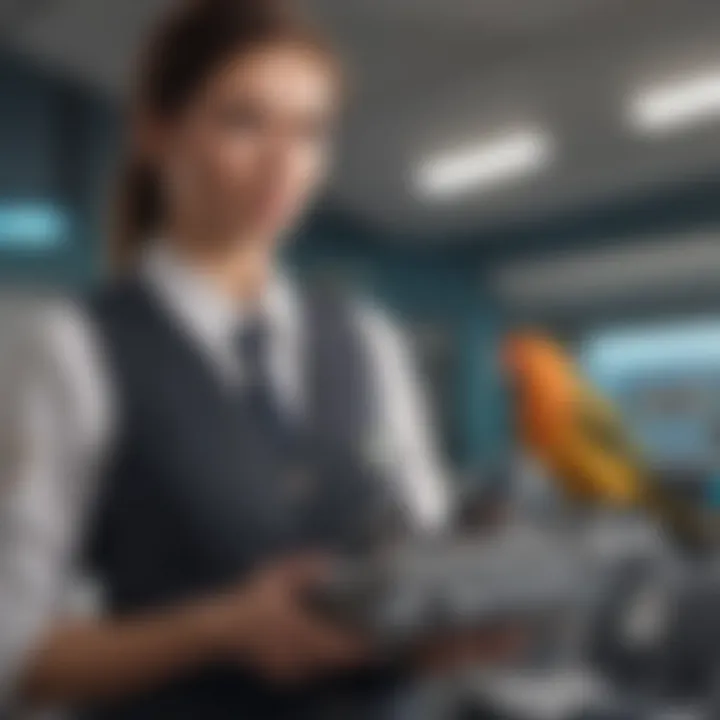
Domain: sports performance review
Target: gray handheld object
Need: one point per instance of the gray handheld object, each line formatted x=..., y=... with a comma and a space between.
x=428, y=589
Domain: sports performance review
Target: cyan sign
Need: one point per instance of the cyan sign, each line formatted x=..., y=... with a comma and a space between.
x=32, y=226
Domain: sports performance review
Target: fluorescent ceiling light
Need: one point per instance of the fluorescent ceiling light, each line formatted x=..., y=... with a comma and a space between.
x=677, y=105
x=485, y=165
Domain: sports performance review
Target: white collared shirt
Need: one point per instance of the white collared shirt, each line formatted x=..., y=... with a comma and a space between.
x=63, y=424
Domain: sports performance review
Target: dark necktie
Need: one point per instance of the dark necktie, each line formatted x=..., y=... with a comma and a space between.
x=258, y=392
x=275, y=438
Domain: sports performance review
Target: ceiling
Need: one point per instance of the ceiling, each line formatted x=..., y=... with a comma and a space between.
x=431, y=75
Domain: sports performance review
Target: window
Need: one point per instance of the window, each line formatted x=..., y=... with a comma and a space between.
x=666, y=381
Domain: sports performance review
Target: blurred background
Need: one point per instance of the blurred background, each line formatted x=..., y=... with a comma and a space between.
x=503, y=162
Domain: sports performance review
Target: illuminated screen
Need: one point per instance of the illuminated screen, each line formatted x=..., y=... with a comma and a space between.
x=666, y=381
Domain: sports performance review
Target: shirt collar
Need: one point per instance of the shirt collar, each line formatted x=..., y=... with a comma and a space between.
x=209, y=314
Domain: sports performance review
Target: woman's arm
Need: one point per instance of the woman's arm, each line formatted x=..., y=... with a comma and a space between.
x=55, y=425
x=77, y=661
x=263, y=626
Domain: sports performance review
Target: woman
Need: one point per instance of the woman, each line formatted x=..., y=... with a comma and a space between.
x=167, y=418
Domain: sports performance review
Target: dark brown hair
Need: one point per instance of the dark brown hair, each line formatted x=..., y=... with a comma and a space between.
x=188, y=46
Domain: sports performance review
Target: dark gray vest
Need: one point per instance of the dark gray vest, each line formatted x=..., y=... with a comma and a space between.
x=198, y=494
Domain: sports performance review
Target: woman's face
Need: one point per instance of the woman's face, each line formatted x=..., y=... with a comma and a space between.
x=246, y=156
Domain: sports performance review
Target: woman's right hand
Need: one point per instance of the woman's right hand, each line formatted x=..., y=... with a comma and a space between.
x=266, y=624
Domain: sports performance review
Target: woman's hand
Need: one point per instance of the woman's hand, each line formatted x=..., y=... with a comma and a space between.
x=267, y=625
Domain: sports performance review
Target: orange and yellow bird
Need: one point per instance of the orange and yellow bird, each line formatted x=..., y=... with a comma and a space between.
x=579, y=438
